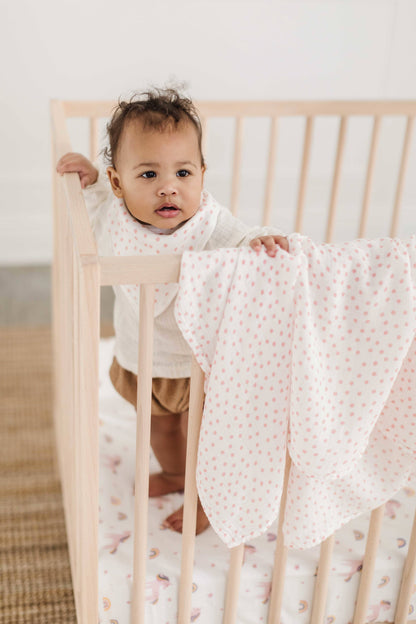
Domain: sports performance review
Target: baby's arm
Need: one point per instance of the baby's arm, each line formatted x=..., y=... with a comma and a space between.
x=77, y=163
x=232, y=232
x=270, y=242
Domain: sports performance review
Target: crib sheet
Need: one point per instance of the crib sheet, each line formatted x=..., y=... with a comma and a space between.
x=117, y=467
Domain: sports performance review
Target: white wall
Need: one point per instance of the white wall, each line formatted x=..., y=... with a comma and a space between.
x=225, y=49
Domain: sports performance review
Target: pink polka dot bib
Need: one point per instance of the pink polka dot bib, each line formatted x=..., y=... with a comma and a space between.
x=311, y=352
x=129, y=237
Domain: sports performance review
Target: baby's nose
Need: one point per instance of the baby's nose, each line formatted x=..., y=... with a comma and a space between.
x=167, y=188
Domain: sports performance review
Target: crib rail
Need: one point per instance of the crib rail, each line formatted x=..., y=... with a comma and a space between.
x=78, y=274
x=275, y=110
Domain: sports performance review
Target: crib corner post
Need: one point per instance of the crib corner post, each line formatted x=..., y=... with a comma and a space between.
x=87, y=459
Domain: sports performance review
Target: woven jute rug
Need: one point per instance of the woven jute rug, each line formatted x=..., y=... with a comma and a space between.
x=35, y=579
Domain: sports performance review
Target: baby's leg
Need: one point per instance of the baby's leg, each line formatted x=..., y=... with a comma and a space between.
x=168, y=441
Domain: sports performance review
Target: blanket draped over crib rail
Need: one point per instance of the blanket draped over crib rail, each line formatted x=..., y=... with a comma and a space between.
x=312, y=351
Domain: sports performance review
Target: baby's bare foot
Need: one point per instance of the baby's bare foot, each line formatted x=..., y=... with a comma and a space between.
x=161, y=483
x=175, y=520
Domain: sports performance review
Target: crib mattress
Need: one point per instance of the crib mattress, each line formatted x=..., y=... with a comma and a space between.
x=117, y=467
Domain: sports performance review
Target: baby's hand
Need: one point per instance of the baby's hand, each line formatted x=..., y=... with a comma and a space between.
x=77, y=163
x=270, y=242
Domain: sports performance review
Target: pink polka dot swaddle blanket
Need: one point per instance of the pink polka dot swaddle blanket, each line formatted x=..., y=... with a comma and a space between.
x=312, y=351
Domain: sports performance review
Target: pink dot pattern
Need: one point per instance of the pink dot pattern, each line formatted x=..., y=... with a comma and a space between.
x=312, y=352
x=131, y=238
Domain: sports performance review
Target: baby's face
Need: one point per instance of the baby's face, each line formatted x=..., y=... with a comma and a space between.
x=159, y=173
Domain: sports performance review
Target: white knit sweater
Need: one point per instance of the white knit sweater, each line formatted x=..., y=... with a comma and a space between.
x=171, y=353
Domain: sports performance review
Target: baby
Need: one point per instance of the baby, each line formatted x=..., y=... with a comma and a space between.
x=156, y=175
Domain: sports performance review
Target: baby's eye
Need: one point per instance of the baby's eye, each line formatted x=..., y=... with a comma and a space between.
x=182, y=173
x=148, y=174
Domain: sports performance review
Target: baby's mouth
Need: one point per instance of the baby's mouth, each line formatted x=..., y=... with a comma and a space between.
x=168, y=211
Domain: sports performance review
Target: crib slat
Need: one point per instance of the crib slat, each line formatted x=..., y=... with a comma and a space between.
x=196, y=401
x=144, y=403
x=336, y=179
x=59, y=324
x=369, y=176
x=402, y=173
x=369, y=562
x=67, y=379
x=87, y=427
x=238, y=148
x=320, y=593
x=70, y=418
x=56, y=313
x=93, y=138
x=271, y=167
x=70, y=405
x=304, y=173
x=233, y=585
x=408, y=580
x=279, y=569
x=75, y=425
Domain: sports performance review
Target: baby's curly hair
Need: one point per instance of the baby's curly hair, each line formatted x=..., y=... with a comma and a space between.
x=157, y=109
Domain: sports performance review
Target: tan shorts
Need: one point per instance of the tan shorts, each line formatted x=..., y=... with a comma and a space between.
x=169, y=396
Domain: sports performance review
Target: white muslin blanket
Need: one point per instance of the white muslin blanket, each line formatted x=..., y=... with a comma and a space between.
x=311, y=351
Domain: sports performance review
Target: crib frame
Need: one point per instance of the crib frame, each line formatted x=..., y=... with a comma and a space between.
x=79, y=273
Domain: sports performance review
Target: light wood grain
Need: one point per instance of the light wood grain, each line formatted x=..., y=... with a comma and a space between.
x=144, y=403
x=236, y=174
x=196, y=402
x=320, y=594
x=233, y=585
x=304, y=174
x=336, y=179
x=369, y=561
x=369, y=176
x=401, y=177
x=271, y=171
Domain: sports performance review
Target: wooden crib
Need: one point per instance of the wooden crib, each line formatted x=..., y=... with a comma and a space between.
x=79, y=273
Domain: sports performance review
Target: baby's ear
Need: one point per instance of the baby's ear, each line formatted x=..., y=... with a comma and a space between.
x=114, y=181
